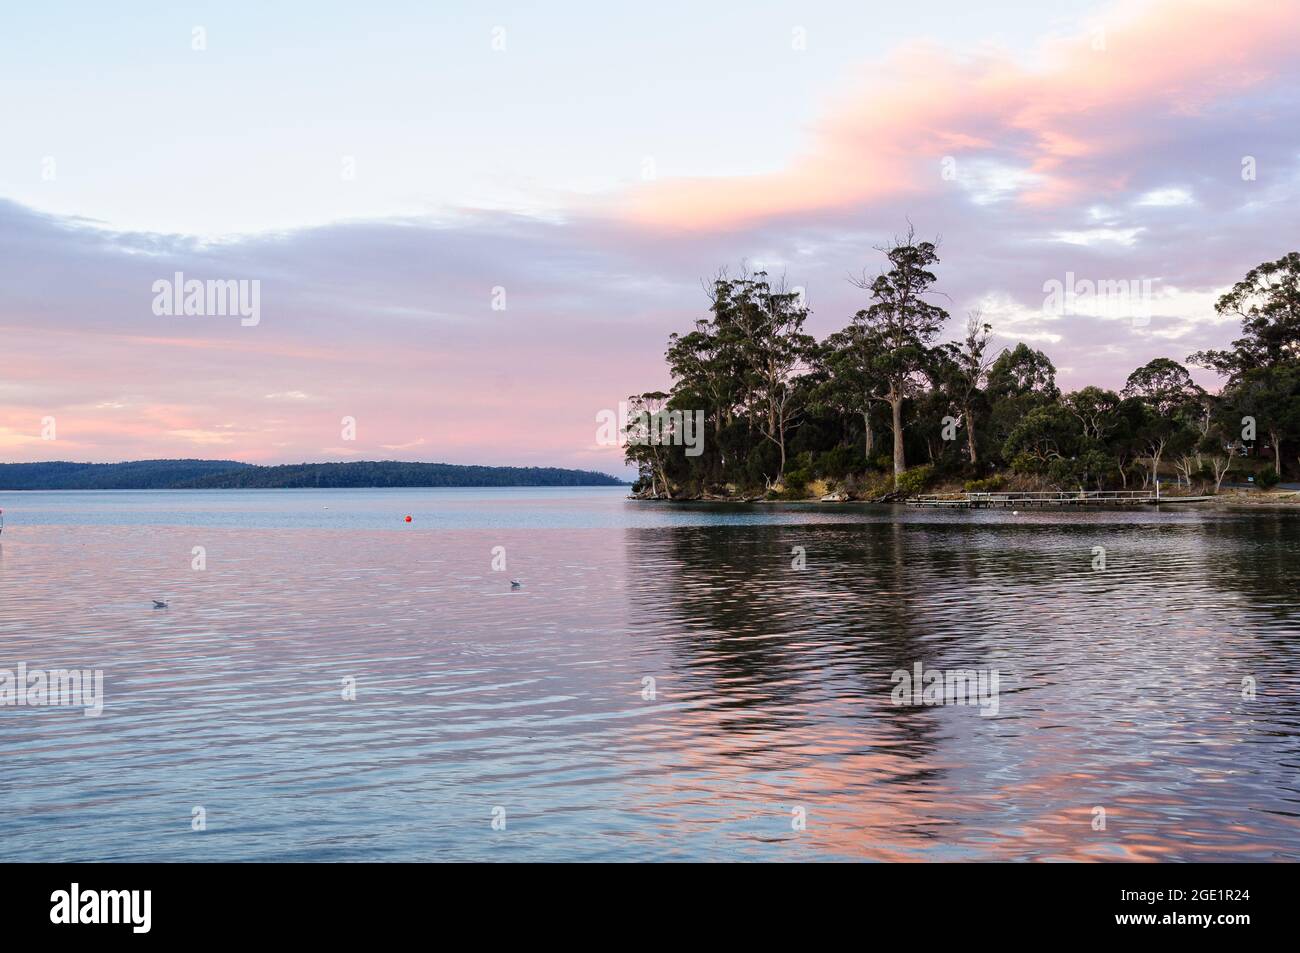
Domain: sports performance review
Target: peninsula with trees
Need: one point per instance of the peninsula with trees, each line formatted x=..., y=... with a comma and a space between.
x=886, y=408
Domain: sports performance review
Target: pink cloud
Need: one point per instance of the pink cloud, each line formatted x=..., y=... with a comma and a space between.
x=392, y=323
x=1073, y=123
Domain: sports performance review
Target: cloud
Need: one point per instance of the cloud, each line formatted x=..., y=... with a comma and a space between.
x=202, y=437
x=1115, y=165
x=409, y=445
x=1087, y=117
x=1167, y=198
x=1096, y=236
x=289, y=395
x=12, y=439
x=390, y=323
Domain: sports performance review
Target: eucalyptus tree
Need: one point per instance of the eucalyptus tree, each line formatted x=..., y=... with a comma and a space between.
x=646, y=446
x=765, y=325
x=901, y=325
x=965, y=373
x=850, y=384
x=1267, y=300
x=1102, y=442
x=703, y=376
x=1172, y=401
x=1095, y=409
x=1123, y=438
x=1019, y=381
x=1042, y=439
x=768, y=391
x=1262, y=366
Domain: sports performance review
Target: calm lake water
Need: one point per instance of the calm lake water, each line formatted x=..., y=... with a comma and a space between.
x=1120, y=690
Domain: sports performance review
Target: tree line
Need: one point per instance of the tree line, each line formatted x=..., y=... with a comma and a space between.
x=886, y=401
x=229, y=474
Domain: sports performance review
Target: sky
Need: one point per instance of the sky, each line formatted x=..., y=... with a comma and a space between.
x=473, y=227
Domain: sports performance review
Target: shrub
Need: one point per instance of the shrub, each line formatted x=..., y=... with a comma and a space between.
x=874, y=486
x=796, y=479
x=762, y=460
x=990, y=485
x=787, y=493
x=840, y=462
x=913, y=481
x=1267, y=479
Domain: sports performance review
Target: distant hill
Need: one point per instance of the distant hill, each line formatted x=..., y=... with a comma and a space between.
x=135, y=475
x=229, y=474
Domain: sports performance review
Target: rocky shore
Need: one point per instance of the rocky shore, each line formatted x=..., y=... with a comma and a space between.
x=1226, y=500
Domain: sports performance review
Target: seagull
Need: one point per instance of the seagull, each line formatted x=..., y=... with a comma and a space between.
x=516, y=584
x=159, y=604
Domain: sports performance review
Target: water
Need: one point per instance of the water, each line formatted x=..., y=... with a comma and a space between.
x=1119, y=689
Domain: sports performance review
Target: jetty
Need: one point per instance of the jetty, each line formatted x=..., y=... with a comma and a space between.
x=1017, y=500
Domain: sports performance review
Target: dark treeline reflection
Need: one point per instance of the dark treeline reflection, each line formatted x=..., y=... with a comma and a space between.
x=1122, y=643
x=799, y=658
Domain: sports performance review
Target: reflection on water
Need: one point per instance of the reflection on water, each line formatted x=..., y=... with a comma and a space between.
x=1120, y=689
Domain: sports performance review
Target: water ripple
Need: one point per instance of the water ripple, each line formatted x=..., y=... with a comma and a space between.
x=1120, y=689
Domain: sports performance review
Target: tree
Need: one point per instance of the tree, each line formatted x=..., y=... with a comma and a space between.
x=1165, y=387
x=1267, y=301
x=1172, y=401
x=774, y=351
x=1045, y=436
x=967, y=368
x=901, y=325
x=1270, y=398
x=1218, y=451
x=1019, y=381
x=1095, y=409
x=1124, y=437
x=1262, y=360
x=850, y=384
x=743, y=364
x=702, y=371
x=645, y=444
x=780, y=407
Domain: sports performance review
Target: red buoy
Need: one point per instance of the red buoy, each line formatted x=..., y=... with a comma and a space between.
x=408, y=519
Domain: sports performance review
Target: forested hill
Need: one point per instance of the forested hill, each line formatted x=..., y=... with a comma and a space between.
x=229, y=474
x=393, y=473
x=134, y=475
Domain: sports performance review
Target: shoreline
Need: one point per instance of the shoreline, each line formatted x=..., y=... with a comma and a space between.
x=1285, y=500
x=222, y=489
